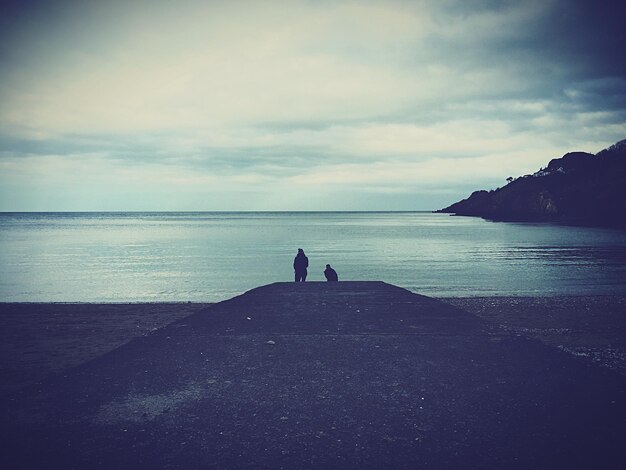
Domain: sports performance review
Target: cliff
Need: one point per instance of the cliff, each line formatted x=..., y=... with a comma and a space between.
x=578, y=189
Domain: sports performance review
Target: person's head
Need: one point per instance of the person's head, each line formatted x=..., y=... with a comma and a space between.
x=328, y=266
x=300, y=250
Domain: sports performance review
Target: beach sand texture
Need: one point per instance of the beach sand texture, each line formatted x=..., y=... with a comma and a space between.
x=347, y=375
x=592, y=328
x=38, y=339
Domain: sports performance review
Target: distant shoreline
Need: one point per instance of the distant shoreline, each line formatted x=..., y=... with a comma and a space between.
x=424, y=211
x=529, y=221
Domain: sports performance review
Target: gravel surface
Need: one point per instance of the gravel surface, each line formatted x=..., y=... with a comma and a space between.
x=590, y=327
x=38, y=339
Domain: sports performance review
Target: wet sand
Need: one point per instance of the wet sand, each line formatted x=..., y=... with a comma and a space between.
x=37, y=340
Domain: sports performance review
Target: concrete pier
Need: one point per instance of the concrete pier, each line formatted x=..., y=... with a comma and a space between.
x=323, y=375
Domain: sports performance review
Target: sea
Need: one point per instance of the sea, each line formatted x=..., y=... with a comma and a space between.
x=212, y=256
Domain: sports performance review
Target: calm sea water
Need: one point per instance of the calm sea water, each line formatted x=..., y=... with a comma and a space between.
x=132, y=257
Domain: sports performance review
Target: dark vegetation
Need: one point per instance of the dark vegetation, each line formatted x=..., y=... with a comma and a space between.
x=577, y=189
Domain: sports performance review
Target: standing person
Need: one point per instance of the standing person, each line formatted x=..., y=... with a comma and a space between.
x=331, y=274
x=300, y=263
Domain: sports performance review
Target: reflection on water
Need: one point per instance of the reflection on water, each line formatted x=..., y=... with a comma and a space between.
x=572, y=254
x=213, y=256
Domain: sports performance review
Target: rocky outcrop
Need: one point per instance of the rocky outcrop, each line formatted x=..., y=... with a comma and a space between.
x=579, y=189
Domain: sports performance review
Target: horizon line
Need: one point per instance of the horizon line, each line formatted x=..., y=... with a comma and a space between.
x=214, y=211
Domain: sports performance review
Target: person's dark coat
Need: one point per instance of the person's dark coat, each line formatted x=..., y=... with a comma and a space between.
x=300, y=263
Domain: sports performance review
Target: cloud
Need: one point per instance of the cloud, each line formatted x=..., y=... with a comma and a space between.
x=231, y=65
x=421, y=100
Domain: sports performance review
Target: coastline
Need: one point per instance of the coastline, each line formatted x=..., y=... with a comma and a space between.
x=40, y=339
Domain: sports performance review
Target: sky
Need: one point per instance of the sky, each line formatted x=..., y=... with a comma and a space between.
x=298, y=105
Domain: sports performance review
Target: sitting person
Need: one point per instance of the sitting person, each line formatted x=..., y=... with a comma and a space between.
x=331, y=274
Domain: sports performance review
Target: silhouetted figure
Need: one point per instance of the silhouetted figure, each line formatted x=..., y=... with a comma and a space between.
x=300, y=263
x=331, y=274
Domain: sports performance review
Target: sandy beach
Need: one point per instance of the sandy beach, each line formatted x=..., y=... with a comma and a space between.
x=592, y=328
x=39, y=339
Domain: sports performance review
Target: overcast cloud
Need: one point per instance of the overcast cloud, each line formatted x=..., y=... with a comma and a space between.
x=148, y=105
